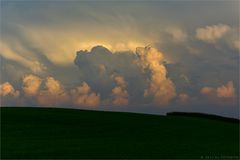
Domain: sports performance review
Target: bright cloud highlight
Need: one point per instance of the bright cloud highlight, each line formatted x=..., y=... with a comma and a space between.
x=160, y=86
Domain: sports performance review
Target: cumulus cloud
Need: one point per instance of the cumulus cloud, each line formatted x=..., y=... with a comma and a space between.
x=50, y=92
x=147, y=66
x=211, y=34
x=120, y=81
x=53, y=93
x=98, y=66
x=220, y=35
x=224, y=91
x=6, y=89
x=8, y=95
x=119, y=93
x=118, y=77
x=31, y=85
x=160, y=86
x=84, y=96
x=224, y=94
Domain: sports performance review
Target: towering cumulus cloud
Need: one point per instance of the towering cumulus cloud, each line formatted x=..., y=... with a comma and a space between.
x=103, y=69
x=83, y=96
x=160, y=87
x=119, y=93
x=31, y=85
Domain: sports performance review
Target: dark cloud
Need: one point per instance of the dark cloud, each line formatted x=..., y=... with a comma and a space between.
x=98, y=65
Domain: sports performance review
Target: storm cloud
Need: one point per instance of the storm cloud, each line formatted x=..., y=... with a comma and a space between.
x=147, y=63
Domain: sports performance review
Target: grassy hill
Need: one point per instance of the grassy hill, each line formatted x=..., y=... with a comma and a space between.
x=68, y=133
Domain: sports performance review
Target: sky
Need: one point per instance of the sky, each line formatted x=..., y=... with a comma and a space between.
x=132, y=56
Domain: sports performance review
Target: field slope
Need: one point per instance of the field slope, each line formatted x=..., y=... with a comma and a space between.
x=68, y=133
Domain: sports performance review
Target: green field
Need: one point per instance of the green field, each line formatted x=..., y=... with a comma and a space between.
x=68, y=133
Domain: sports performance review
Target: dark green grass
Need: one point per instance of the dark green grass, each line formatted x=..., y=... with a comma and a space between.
x=67, y=133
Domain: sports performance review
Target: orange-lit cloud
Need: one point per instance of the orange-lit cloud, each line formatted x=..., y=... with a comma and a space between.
x=207, y=90
x=6, y=89
x=84, y=96
x=31, y=85
x=160, y=87
x=222, y=94
x=120, y=81
x=119, y=93
x=53, y=93
x=120, y=96
x=224, y=91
